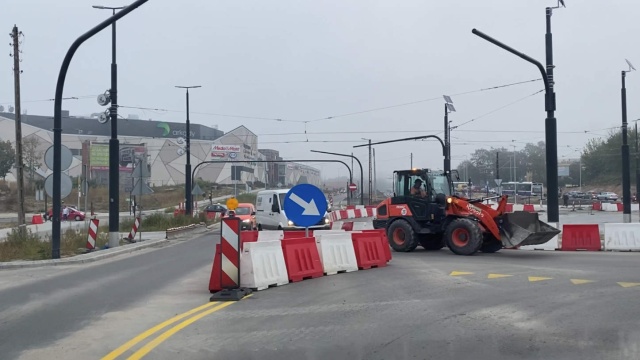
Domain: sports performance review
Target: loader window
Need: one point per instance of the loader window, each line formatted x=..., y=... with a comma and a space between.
x=440, y=185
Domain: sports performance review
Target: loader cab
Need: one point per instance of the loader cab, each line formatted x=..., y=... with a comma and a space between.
x=437, y=187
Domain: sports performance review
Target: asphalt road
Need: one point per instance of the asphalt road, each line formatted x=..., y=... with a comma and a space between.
x=81, y=312
x=423, y=305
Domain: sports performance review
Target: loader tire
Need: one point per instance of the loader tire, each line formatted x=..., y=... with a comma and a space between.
x=401, y=236
x=463, y=237
x=491, y=245
x=431, y=242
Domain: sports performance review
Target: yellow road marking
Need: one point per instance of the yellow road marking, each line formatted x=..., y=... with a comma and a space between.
x=458, y=273
x=628, y=284
x=580, y=281
x=167, y=334
x=131, y=343
x=497, y=276
x=538, y=278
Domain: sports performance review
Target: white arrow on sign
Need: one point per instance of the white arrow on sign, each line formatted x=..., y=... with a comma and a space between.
x=310, y=208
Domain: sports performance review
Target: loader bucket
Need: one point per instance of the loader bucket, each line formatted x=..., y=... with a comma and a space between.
x=523, y=228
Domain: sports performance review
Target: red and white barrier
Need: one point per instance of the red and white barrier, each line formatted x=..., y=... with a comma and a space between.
x=262, y=265
x=359, y=212
x=134, y=229
x=622, y=237
x=229, y=245
x=336, y=252
x=92, y=234
x=580, y=237
x=274, y=258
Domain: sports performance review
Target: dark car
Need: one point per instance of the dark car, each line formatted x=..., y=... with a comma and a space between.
x=216, y=208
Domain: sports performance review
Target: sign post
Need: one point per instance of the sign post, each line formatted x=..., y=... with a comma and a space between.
x=305, y=205
x=230, y=246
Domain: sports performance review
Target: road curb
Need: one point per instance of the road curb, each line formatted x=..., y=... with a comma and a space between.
x=84, y=258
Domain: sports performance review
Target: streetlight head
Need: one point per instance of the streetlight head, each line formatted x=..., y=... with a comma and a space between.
x=98, y=7
x=450, y=107
x=447, y=99
x=562, y=3
x=631, y=68
x=189, y=87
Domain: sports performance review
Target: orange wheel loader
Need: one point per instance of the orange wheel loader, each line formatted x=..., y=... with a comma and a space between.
x=424, y=212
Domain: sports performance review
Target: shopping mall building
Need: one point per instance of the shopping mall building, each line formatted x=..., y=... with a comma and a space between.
x=162, y=144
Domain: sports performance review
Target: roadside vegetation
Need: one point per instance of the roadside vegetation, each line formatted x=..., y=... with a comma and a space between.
x=29, y=246
x=163, y=197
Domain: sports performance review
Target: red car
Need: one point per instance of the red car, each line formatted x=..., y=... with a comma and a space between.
x=74, y=214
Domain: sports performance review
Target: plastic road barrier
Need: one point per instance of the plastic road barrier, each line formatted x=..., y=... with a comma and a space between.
x=622, y=237
x=369, y=250
x=296, y=234
x=92, y=233
x=596, y=206
x=528, y=207
x=301, y=258
x=270, y=235
x=336, y=253
x=262, y=265
x=580, y=237
x=509, y=208
x=134, y=229
x=37, y=219
x=384, y=241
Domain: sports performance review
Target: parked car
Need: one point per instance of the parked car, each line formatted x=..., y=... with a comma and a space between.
x=607, y=196
x=247, y=213
x=216, y=208
x=74, y=214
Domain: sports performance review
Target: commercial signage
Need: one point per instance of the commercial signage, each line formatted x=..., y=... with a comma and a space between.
x=99, y=156
x=225, y=148
x=219, y=155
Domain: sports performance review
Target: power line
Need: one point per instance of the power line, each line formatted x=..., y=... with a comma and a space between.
x=422, y=101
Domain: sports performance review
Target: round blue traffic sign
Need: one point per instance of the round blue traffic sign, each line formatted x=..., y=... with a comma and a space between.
x=305, y=205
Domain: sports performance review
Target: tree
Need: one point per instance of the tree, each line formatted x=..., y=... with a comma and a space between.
x=7, y=158
x=32, y=156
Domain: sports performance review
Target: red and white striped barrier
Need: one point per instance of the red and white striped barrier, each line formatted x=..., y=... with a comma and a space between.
x=230, y=244
x=134, y=229
x=93, y=234
x=359, y=212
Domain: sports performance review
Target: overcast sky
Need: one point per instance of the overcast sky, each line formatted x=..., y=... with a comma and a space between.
x=303, y=60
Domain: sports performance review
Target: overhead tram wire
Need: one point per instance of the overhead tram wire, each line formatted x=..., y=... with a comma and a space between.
x=333, y=116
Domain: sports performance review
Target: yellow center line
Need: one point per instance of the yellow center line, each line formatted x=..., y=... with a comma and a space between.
x=131, y=343
x=167, y=334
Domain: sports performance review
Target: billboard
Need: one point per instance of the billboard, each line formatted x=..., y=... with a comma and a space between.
x=99, y=156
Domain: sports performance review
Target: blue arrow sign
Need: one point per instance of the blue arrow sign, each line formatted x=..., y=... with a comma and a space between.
x=305, y=205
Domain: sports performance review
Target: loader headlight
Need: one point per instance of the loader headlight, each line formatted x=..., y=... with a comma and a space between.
x=246, y=220
x=290, y=223
x=449, y=200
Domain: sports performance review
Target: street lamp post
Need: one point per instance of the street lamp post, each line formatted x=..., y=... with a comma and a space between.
x=187, y=167
x=637, y=167
x=626, y=165
x=352, y=158
x=551, y=134
x=114, y=143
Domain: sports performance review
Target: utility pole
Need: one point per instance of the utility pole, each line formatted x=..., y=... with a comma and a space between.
x=15, y=35
x=448, y=107
x=114, y=143
x=637, y=169
x=187, y=166
x=626, y=171
x=411, y=160
x=375, y=191
x=370, y=170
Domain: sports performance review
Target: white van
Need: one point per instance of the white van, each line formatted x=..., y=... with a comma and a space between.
x=271, y=216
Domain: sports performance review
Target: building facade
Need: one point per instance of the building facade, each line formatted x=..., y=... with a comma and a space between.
x=163, y=146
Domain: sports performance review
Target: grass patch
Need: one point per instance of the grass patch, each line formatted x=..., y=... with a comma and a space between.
x=29, y=246
x=247, y=198
x=162, y=222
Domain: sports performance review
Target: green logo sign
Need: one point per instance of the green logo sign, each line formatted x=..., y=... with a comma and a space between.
x=165, y=128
